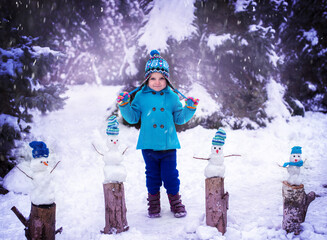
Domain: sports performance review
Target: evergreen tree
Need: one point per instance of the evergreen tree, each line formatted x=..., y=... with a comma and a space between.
x=235, y=49
x=303, y=45
x=25, y=82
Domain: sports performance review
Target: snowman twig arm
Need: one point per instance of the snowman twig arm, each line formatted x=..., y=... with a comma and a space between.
x=124, y=151
x=233, y=155
x=97, y=150
x=279, y=165
x=201, y=158
x=24, y=173
x=55, y=166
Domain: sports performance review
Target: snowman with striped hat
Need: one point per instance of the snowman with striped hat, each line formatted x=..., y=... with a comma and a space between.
x=216, y=167
x=113, y=169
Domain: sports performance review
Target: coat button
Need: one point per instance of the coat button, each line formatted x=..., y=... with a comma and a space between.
x=162, y=126
x=154, y=109
x=154, y=93
x=162, y=109
x=161, y=93
x=154, y=125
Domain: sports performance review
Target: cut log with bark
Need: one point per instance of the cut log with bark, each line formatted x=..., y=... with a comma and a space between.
x=295, y=206
x=41, y=224
x=216, y=203
x=115, y=208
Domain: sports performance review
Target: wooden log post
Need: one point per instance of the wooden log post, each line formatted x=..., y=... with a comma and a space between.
x=115, y=208
x=216, y=203
x=41, y=224
x=295, y=206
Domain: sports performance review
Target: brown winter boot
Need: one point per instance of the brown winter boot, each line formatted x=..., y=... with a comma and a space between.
x=154, y=205
x=176, y=205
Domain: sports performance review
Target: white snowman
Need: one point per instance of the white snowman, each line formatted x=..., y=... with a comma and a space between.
x=43, y=189
x=113, y=169
x=216, y=167
x=294, y=166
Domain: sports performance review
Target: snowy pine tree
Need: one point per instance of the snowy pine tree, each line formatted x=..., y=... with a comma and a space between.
x=25, y=81
x=303, y=47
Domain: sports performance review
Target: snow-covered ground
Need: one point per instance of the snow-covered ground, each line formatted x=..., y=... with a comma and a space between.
x=252, y=180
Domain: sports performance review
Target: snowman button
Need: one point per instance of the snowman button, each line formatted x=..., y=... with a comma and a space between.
x=154, y=109
x=161, y=93
x=154, y=93
x=154, y=125
x=162, y=109
x=162, y=126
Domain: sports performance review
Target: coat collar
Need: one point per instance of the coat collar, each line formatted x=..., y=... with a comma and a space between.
x=147, y=89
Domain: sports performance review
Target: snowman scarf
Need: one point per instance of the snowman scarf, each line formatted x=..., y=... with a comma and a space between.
x=297, y=164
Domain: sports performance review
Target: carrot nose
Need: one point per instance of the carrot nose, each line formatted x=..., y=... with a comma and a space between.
x=295, y=160
x=217, y=151
x=114, y=142
x=45, y=164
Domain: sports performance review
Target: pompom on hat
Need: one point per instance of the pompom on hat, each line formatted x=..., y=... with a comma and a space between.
x=112, y=128
x=39, y=149
x=219, y=138
x=296, y=150
x=156, y=63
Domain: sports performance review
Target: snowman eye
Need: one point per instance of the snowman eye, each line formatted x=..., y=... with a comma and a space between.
x=214, y=148
x=220, y=148
x=41, y=162
x=117, y=140
x=111, y=140
x=293, y=155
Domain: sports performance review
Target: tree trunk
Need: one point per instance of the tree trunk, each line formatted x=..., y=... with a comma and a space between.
x=295, y=205
x=41, y=224
x=216, y=203
x=115, y=207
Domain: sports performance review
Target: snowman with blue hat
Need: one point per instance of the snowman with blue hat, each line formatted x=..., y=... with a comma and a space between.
x=216, y=167
x=113, y=170
x=294, y=166
x=43, y=188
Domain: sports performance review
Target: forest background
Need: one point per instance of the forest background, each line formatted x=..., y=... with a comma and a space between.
x=234, y=50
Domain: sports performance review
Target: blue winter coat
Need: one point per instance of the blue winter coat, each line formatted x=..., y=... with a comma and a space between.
x=159, y=112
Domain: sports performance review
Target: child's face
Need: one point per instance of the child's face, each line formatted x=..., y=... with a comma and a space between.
x=157, y=81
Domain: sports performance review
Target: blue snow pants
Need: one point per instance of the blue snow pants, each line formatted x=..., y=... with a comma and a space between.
x=160, y=166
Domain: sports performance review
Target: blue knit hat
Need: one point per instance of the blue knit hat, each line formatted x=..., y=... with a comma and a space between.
x=296, y=150
x=112, y=128
x=39, y=149
x=156, y=63
x=219, y=138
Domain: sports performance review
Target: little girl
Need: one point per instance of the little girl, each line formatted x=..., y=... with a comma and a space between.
x=159, y=109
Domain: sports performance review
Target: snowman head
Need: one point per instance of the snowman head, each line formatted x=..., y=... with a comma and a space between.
x=296, y=154
x=217, y=150
x=112, y=141
x=39, y=165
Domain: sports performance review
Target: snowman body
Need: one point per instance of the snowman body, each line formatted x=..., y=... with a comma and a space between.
x=294, y=171
x=113, y=169
x=215, y=167
x=43, y=189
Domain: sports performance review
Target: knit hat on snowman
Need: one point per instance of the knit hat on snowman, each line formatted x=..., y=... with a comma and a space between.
x=156, y=63
x=219, y=138
x=296, y=150
x=39, y=149
x=112, y=128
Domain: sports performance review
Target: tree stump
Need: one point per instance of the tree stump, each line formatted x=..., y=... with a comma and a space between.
x=115, y=207
x=216, y=203
x=41, y=224
x=295, y=205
